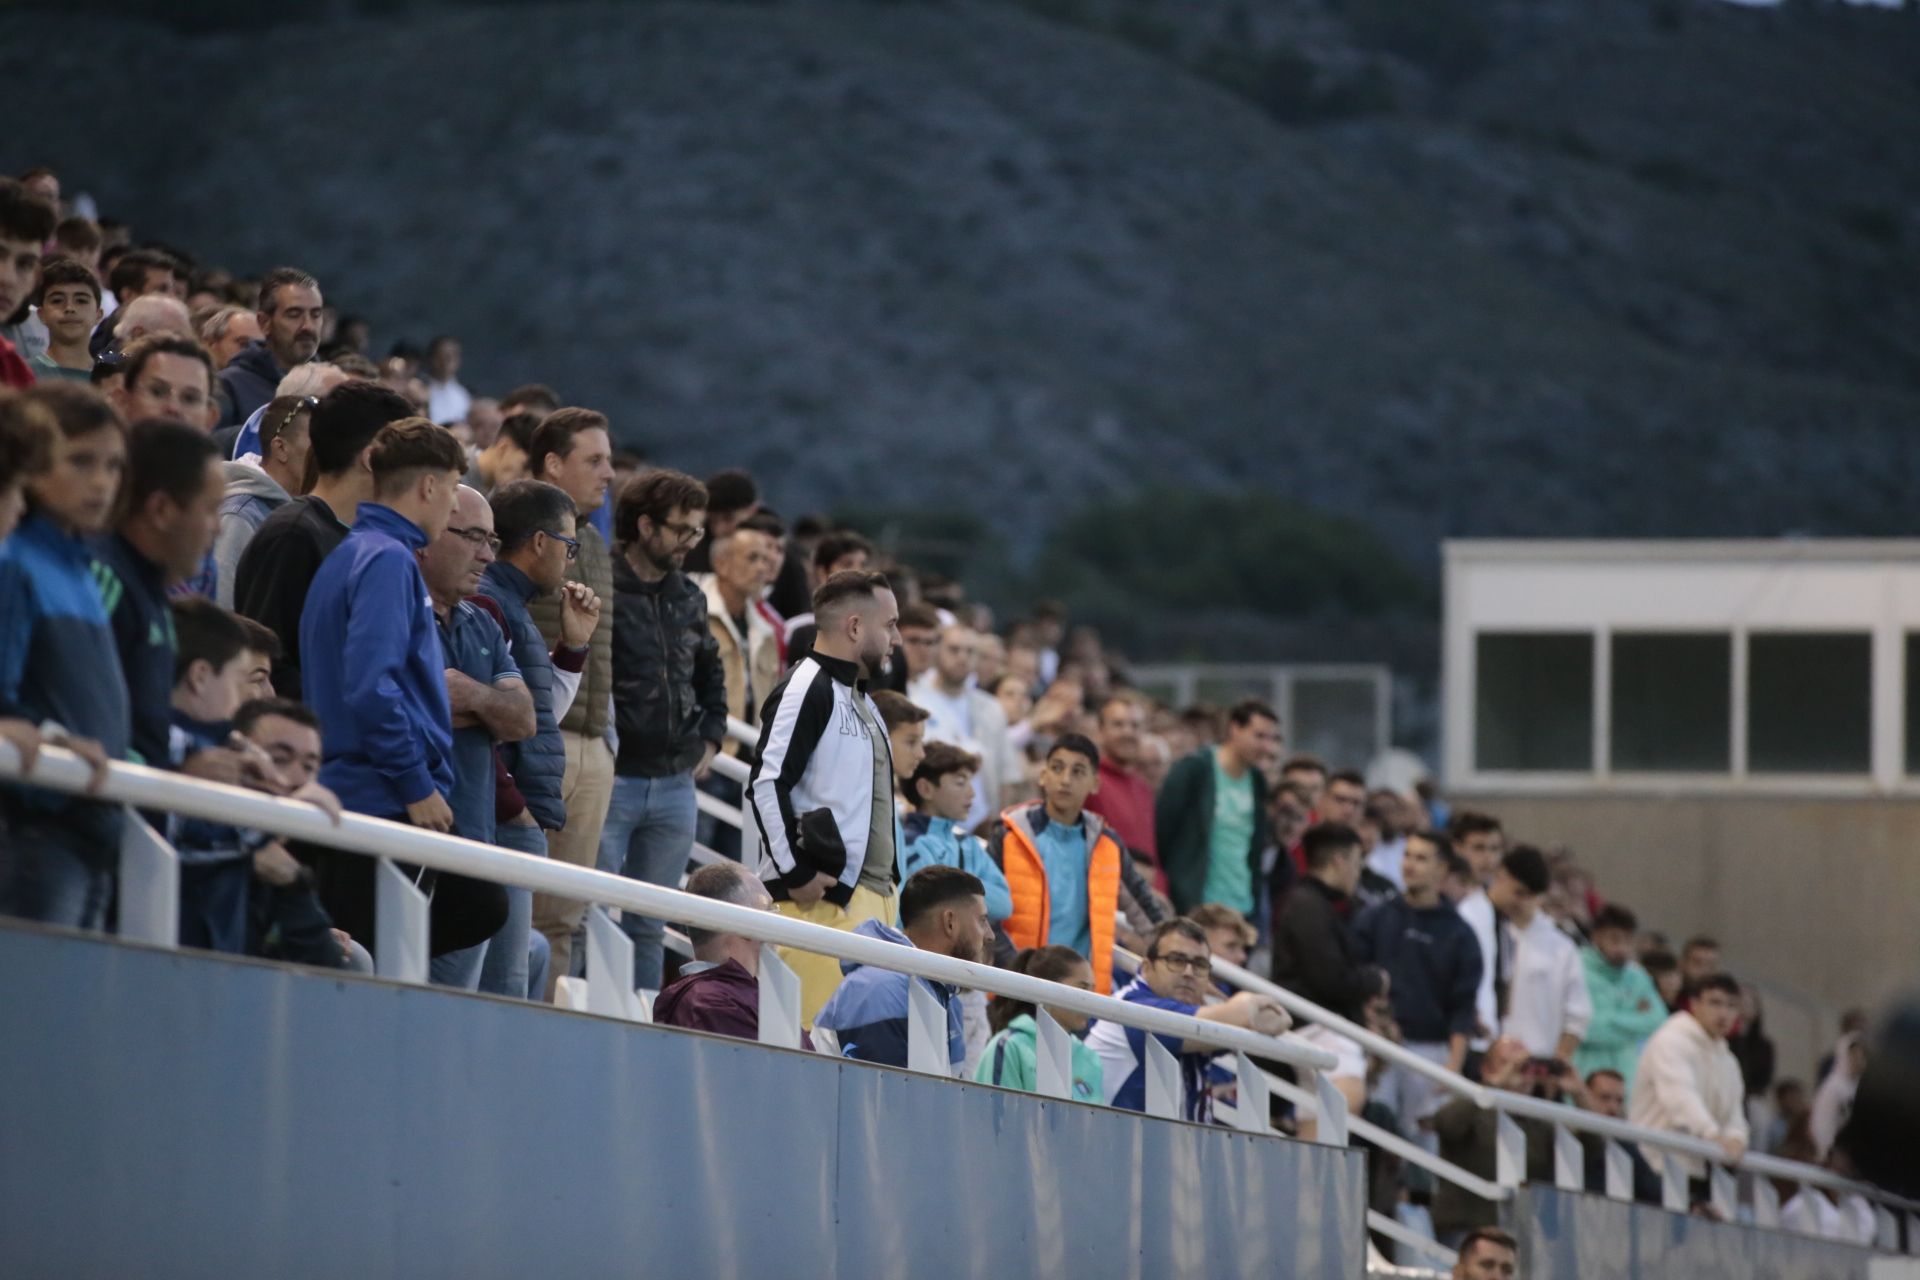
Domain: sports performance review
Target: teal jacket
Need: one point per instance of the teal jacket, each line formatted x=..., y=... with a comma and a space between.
x=931, y=840
x=1183, y=825
x=1626, y=1010
x=1010, y=1058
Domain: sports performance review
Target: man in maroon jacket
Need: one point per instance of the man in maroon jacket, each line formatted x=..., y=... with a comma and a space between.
x=1125, y=798
x=719, y=990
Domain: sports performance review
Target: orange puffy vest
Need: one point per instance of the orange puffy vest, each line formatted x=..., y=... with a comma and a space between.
x=1033, y=904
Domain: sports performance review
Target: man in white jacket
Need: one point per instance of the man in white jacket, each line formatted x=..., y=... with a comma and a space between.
x=1539, y=978
x=1689, y=1081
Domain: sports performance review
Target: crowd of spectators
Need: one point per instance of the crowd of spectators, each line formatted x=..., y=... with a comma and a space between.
x=237, y=546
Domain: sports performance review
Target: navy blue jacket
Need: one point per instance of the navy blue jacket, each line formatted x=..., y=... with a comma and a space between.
x=133, y=590
x=474, y=646
x=1434, y=960
x=248, y=381
x=867, y=1014
x=539, y=764
x=374, y=670
x=58, y=662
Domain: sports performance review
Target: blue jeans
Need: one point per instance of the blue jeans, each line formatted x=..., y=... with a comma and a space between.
x=721, y=837
x=44, y=877
x=505, y=970
x=648, y=837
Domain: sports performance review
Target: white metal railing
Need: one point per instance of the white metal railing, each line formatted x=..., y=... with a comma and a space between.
x=1569, y=1155
x=149, y=889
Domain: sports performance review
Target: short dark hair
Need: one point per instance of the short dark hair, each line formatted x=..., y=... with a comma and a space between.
x=1487, y=1235
x=279, y=278
x=942, y=758
x=1659, y=960
x=24, y=215
x=847, y=585
x=204, y=632
x=261, y=638
x=1247, y=710
x=533, y=393
x=77, y=233
x=527, y=507
x=1529, y=866
x=919, y=615
x=761, y=521
x=1604, y=1072
x=1325, y=841
x=1699, y=942
x=519, y=428
x=897, y=709
x=1351, y=777
x=837, y=546
x=1471, y=822
x=165, y=457
x=556, y=436
x=410, y=446
x=1429, y=836
x=65, y=271
x=654, y=494
x=935, y=886
x=731, y=490
x=77, y=410
x=28, y=430
x=252, y=713
x=1711, y=982
x=136, y=355
x=1304, y=764
x=721, y=882
x=1180, y=925
x=1078, y=743
x=348, y=418
x=129, y=274
x=1615, y=916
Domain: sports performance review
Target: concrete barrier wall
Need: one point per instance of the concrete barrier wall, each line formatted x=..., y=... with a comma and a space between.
x=183, y=1115
x=1566, y=1235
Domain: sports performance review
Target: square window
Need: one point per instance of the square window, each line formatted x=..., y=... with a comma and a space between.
x=1672, y=702
x=1809, y=702
x=1533, y=701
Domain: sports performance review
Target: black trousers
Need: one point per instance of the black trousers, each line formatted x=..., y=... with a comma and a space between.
x=464, y=912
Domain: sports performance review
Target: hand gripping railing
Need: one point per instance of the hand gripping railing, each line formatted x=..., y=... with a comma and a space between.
x=1569, y=1156
x=401, y=921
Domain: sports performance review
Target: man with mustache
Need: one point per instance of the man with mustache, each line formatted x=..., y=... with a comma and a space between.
x=289, y=316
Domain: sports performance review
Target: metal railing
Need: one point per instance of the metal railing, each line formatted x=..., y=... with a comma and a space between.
x=149, y=889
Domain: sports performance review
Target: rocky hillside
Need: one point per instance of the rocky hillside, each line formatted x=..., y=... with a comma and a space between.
x=1586, y=267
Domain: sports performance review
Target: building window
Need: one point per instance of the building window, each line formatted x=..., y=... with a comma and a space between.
x=1809, y=702
x=1672, y=702
x=1533, y=702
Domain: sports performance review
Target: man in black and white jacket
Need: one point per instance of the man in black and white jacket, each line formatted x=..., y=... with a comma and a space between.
x=822, y=792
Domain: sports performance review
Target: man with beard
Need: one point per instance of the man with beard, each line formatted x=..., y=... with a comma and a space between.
x=289, y=316
x=669, y=696
x=821, y=793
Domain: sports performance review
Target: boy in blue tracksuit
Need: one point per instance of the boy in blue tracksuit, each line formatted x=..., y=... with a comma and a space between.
x=941, y=790
x=59, y=665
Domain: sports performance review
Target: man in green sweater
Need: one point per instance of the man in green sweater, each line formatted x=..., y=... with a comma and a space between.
x=1210, y=819
x=1626, y=1006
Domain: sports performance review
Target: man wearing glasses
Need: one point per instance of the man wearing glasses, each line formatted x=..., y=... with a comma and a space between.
x=1175, y=976
x=669, y=695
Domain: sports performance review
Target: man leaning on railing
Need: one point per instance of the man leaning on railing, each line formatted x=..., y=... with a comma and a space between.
x=1689, y=1081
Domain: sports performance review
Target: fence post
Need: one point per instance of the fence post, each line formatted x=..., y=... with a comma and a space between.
x=1722, y=1191
x=779, y=1001
x=1673, y=1183
x=1053, y=1066
x=610, y=968
x=1251, y=1110
x=927, y=1047
x=1569, y=1160
x=399, y=925
x=1166, y=1096
x=1509, y=1151
x=1330, y=1130
x=149, y=884
x=1766, y=1202
x=1886, y=1228
x=1619, y=1170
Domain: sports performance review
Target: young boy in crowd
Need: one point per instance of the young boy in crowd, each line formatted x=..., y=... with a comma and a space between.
x=285, y=918
x=941, y=792
x=69, y=304
x=59, y=663
x=906, y=723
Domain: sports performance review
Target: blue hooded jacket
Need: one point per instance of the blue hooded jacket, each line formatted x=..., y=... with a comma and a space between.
x=538, y=764
x=931, y=841
x=868, y=1014
x=374, y=670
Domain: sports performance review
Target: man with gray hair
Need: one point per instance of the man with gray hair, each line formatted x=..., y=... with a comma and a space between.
x=719, y=990
x=151, y=313
x=226, y=331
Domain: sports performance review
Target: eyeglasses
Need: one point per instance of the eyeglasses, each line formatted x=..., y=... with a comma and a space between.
x=479, y=538
x=1178, y=962
x=572, y=544
x=684, y=532
x=302, y=404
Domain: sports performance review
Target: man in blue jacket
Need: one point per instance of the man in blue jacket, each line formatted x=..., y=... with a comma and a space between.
x=943, y=910
x=1433, y=961
x=375, y=674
